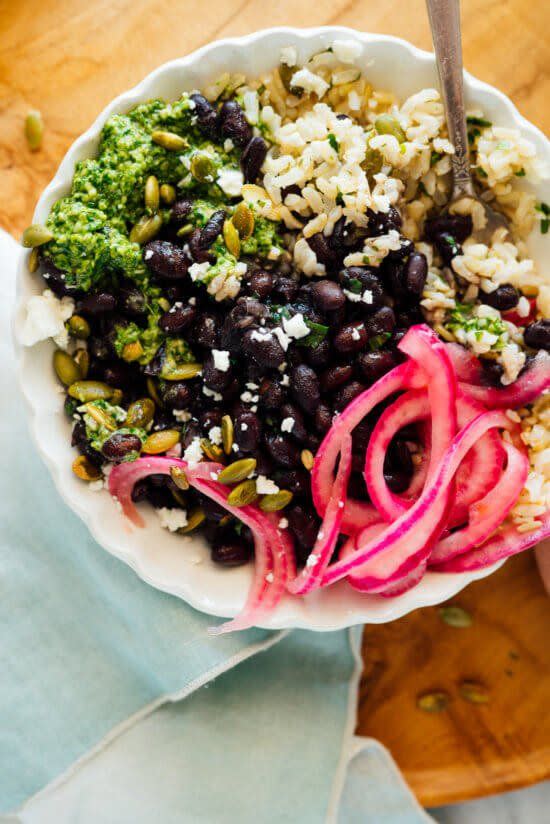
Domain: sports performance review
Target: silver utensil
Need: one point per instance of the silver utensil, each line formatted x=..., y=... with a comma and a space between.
x=445, y=25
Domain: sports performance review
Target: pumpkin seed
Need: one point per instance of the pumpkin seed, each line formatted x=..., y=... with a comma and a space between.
x=66, y=368
x=227, y=434
x=85, y=391
x=164, y=304
x=473, y=692
x=179, y=497
x=82, y=358
x=211, y=450
x=85, y=470
x=237, y=471
x=231, y=238
x=79, y=327
x=116, y=397
x=455, y=616
x=152, y=193
x=33, y=261
x=140, y=413
x=169, y=140
x=277, y=501
x=307, y=459
x=243, y=494
x=132, y=351
x=181, y=373
x=167, y=194
x=34, y=129
x=146, y=229
x=153, y=392
x=433, y=701
x=387, y=124
x=36, y=235
x=202, y=167
x=373, y=162
x=226, y=520
x=194, y=519
x=101, y=417
x=243, y=220
x=179, y=477
x=161, y=441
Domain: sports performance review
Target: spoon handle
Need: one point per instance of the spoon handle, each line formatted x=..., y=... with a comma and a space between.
x=445, y=24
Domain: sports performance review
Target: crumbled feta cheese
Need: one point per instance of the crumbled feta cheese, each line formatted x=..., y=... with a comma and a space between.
x=354, y=297
x=248, y=397
x=172, y=519
x=264, y=486
x=45, y=318
x=347, y=50
x=261, y=335
x=211, y=394
x=197, y=271
x=244, y=427
x=283, y=523
x=221, y=359
x=523, y=307
x=282, y=337
x=285, y=380
x=289, y=56
x=269, y=577
x=309, y=82
x=182, y=415
x=356, y=335
x=214, y=476
x=228, y=144
x=287, y=424
x=193, y=453
x=296, y=327
x=230, y=181
x=367, y=297
x=96, y=486
x=251, y=385
x=215, y=435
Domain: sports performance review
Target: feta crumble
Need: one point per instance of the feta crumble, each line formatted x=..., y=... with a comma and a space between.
x=172, y=519
x=45, y=318
x=264, y=486
x=287, y=424
x=215, y=435
x=231, y=182
x=221, y=359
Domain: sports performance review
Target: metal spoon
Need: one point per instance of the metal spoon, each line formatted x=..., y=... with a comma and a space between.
x=445, y=25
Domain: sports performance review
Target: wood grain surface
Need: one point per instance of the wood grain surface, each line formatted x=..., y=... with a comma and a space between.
x=69, y=58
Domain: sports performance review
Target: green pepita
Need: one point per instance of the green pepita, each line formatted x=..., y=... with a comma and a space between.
x=473, y=692
x=179, y=497
x=179, y=477
x=373, y=162
x=169, y=140
x=185, y=230
x=34, y=129
x=82, y=358
x=101, y=417
x=387, y=124
x=36, y=235
x=227, y=434
x=194, y=519
x=85, y=470
x=66, y=368
x=85, y=391
x=243, y=494
x=243, y=220
x=277, y=501
x=184, y=372
x=455, y=616
x=307, y=459
x=433, y=701
x=202, y=167
x=132, y=351
x=167, y=194
x=231, y=238
x=152, y=193
x=140, y=413
x=237, y=471
x=79, y=327
x=211, y=450
x=146, y=229
x=116, y=397
x=162, y=441
x=34, y=260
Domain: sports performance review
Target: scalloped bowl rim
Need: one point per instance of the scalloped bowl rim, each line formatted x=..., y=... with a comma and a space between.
x=168, y=566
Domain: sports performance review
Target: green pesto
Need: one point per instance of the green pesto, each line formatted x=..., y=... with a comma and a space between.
x=461, y=317
x=264, y=238
x=98, y=434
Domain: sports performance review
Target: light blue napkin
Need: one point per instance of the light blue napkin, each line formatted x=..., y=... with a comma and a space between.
x=91, y=658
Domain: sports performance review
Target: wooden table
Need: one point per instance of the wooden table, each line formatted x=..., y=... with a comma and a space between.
x=69, y=58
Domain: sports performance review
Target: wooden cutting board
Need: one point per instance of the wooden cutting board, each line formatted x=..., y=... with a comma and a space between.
x=69, y=58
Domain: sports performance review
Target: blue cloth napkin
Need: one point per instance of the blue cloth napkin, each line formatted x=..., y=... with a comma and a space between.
x=93, y=659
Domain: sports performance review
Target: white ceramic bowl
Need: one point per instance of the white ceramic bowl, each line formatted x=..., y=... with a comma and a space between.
x=160, y=558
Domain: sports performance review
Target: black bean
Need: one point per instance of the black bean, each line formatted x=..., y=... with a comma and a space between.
x=323, y=418
x=335, y=376
x=247, y=431
x=313, y=441
x=165, y=259
x=177, y=319
x=399, y=457
x=537, y=335
x=318, y=355
x=210, y=418
x=99, y=348
x=361, y=437
x=285, y=289
x=369, y=280
x=132, y=302
x=177, y=395
x=215, y=378
x=304, y=387
x=323, y=251
x=396, y=480
x=492, y=372
x=346, y=237
x=56, y=279
x=380, y=223
x=448, y=247
x=347, y=394
x=408, y=315
x=207, y=116
x=231, y=553
x=80, y=440
x=97, y=304
x=298, y=431
x=272, y=393
x=503, y=298
x=119, y=374
x=190, y=432
x=196, y=250
x=375, y=364
x=213, y=511
x=181, y=210
x=351, y=338
x=283, y=451
x=357, y=487
x=383, y=320
x=234, y=124
x=407, y=246
x=212, y=229
x=261, y=283
x=304, y=524
x=264, y=347
x=140, y=490
x=119, y=445
x=458, y=226
x=205, y=331
x=252, y=158
x=416, y=272
x=327, y=296
x=297, y=481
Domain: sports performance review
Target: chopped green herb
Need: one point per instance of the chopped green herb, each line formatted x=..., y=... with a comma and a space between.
x=340, y=199
x=333, y=142
x=435, y=157
x=544, y=209
x=478, y=121
x=521, y=173
x=378, y=341
x=316, y=336
x=355, y=286
x=480, y=172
